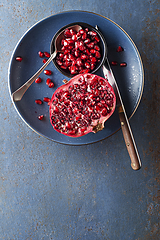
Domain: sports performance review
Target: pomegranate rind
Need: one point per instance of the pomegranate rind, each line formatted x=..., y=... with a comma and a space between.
x=95, y=124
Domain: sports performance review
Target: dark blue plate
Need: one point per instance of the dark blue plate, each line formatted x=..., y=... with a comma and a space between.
x=38, y=38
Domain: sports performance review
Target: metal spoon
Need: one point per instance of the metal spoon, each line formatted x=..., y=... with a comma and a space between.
x=18, y=94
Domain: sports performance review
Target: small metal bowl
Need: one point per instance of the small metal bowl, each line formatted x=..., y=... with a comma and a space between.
x=102, y=45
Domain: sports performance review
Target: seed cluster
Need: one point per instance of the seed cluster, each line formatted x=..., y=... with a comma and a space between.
x=80, y=51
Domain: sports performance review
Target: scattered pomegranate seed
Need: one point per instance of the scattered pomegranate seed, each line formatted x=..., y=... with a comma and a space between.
x=51, y=85
x=44, y=60
x=40, y=117
x=47, y=72
x=19, y=59
x=46, y=54
x=41, y=54
x=48, y=81
x=120, y=49
x=46, y=99
x=123, y=64
x=38, y=80
x=114, y=63
x=38, y=101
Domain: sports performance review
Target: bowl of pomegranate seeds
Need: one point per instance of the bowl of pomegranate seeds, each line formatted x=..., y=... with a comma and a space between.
x=82, y=51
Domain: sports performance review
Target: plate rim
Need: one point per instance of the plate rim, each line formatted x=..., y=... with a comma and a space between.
x=72, y=11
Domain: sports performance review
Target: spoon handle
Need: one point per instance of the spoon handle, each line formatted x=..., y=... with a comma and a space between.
x=18, y=94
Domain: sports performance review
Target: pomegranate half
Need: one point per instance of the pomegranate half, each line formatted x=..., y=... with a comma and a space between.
x=82, y=105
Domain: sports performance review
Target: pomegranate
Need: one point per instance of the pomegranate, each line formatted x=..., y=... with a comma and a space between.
x=82, y=105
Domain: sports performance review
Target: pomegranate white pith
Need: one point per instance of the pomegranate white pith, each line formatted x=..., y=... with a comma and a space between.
x=82, y=105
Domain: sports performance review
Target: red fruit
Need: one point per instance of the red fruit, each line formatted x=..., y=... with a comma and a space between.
x=47, y=72
x=48, y=81
x=120, y=49
x=40, y=117
x=41, y=54
x=19, y=59
x=82, y=105
x=114, y=63
x=123, y=64
x=38, y=80
x=46, y=54
x=44, y=60
x=46, y=99
x=51, y=85
x=38, y=101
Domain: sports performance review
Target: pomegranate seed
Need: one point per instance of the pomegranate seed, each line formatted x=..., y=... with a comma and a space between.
x=19, y=59
x=48, y=81
x=51, y=85
x=104, y=112
x=87, y=65
x=92, y=33
x=61, y=55
x=47, y=72
x=46, y=54
x=40, y=117
x=67, y=33
x=123, y=64
x=63, y=67
x=120, y=49
x=114, y=63
x=44, y=60
x=81, y=31
x=84, y=36
x=93, y=60
x=93, y=51
x=73, y=70
x=38, y=101
x=38, y=80
x=97, y=48
x=84, y=56
x=46, y=99
x=59, y=62
x=41, y=54
x=97, y=39
x=97, y=54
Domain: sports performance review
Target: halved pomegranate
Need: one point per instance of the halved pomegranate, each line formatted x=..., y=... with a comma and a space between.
x=82, y=105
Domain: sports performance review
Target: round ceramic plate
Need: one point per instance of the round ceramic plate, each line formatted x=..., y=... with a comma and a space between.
x=130, y=79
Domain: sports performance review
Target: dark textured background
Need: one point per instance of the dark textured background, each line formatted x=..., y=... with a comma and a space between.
x=53, y=191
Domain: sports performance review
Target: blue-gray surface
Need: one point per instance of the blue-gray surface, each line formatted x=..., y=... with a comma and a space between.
x=54, y=191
